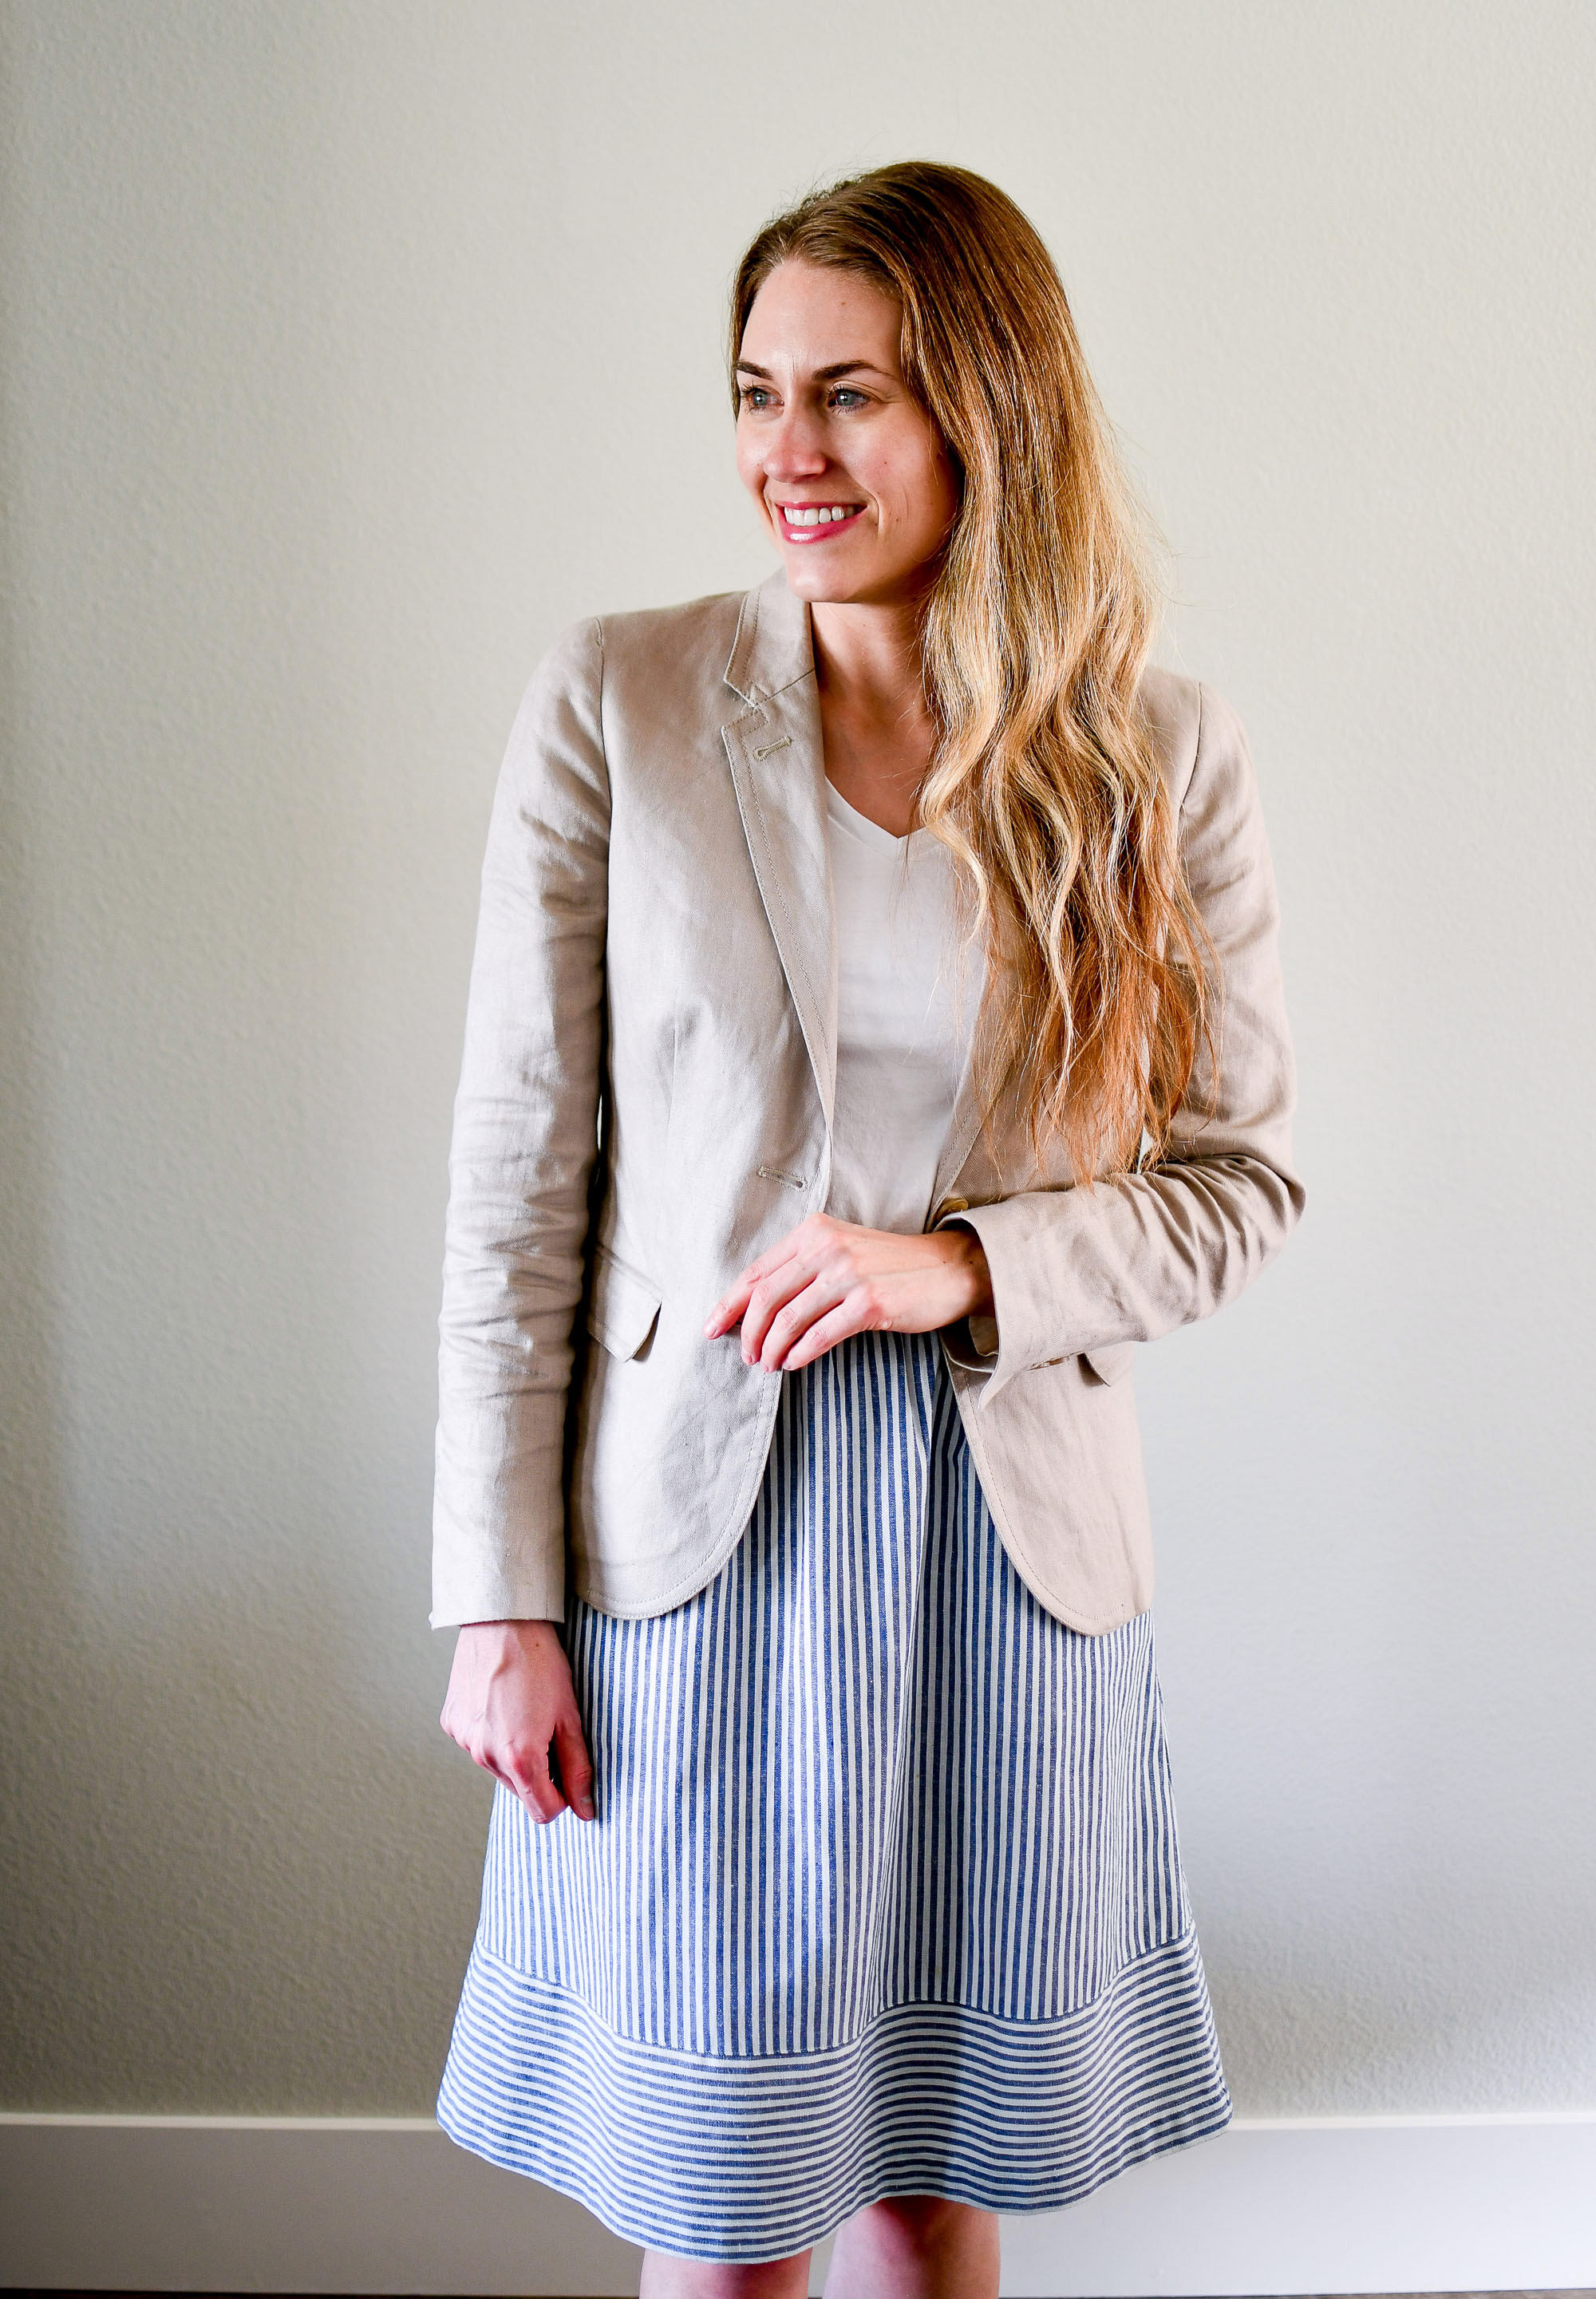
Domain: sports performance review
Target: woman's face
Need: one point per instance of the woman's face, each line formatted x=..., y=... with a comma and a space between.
x=845, y=466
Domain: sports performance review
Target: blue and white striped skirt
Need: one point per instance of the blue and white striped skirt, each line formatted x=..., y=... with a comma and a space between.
x=883, y=1896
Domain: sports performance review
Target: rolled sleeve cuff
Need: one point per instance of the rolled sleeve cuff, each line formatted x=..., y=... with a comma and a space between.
x=972, y=1343
x=498, y=1556
x=1023, y=1327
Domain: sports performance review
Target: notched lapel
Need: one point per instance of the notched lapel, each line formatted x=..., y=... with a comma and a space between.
x=778, y=772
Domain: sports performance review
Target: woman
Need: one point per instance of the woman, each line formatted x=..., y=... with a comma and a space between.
x=874, y=1032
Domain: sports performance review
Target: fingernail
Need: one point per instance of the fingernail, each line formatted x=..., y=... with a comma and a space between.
x=585, y=1807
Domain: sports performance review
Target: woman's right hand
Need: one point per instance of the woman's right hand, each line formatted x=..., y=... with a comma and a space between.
x=510, y=1701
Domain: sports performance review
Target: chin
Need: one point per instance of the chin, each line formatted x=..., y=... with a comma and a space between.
x=822, y=586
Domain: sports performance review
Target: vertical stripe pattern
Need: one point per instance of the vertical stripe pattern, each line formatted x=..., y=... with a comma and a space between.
x=883, y=1894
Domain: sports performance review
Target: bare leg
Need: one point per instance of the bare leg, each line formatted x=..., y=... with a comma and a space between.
x=667, y=2277
x=915, y=2247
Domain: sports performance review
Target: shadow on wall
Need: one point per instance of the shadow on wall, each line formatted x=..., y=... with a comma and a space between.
x=247, y=1869
x=245, y=1864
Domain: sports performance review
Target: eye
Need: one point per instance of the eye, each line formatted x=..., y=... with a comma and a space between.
x=755, y=396
x=846, y=396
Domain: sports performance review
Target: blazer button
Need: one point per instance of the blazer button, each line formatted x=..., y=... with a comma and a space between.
x=949, y=1206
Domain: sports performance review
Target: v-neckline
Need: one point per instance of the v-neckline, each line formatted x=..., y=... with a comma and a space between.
x=869, y=834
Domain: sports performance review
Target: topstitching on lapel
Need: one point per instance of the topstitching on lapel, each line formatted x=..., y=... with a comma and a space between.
x=778, y=771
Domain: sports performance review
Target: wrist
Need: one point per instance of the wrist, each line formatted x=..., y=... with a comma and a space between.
x=518, y=1632
x=976, y=1270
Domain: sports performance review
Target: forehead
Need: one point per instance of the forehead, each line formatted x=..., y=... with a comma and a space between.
x=813, y=315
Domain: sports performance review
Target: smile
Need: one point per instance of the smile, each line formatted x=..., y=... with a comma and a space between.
x=814, y=522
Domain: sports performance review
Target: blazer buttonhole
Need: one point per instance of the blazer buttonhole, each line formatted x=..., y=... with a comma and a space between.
x=775, y=1174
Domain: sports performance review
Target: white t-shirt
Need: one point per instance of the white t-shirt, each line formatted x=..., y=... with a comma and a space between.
x=907, y=995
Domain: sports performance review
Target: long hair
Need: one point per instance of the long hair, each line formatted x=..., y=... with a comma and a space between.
x=1043, y=781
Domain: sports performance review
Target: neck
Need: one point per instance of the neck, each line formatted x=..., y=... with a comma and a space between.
x=874, y=718
x=868, y=658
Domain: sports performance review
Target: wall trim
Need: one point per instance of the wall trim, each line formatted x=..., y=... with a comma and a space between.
x=1462, y=2203
x=84, y=2119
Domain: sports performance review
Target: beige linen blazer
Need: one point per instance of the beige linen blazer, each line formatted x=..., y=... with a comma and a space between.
x=645, y=1104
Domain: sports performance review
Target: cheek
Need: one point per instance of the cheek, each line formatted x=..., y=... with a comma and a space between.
x=924, y=498
x=750, y=464
x=941, y=488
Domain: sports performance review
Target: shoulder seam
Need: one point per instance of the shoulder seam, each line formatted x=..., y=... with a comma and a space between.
x=1197, y=749
x=598, y=633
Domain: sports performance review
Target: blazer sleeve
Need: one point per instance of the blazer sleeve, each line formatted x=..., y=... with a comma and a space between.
x=1139, y=1254
x=521, y=1156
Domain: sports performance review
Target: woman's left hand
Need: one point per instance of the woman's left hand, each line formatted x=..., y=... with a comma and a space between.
x=828, y=1279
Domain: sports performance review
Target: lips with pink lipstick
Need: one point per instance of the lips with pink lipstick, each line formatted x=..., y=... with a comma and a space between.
x=815, y=522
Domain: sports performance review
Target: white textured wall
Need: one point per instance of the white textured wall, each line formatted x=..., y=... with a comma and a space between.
x=351, y=350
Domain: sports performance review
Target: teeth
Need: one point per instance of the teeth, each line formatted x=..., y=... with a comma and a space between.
x=816, y=514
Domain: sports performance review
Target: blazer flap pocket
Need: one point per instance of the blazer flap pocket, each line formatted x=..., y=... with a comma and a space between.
x=1113, y=1361
x=622, y=1306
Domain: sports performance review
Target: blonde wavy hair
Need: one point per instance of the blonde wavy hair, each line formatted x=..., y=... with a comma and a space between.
x=1043, y=781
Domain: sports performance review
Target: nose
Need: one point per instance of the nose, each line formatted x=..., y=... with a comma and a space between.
x=794, y=448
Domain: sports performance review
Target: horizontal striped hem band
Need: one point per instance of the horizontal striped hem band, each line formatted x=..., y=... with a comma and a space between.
x=754, y=2157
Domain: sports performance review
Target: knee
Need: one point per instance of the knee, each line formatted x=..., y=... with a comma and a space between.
x=776, y=2278
x=667, y=2276
x=923, y=2224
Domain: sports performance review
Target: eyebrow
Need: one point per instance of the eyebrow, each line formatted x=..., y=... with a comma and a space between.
x=822, y=374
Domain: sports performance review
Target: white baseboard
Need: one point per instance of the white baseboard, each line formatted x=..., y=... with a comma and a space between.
x=1385, y=2203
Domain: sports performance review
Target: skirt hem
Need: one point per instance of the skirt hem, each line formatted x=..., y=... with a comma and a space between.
x=755, y=2158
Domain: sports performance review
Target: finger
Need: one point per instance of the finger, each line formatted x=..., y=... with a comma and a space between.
x=527, y=1776
x=486, y=1761
x=818, y=1300
x=730, y=1308
x=576, y=1766
x=771, y=1296
x=727, y=1311
x=856, y=1313
x=540, y=1795
x=770, y=1260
